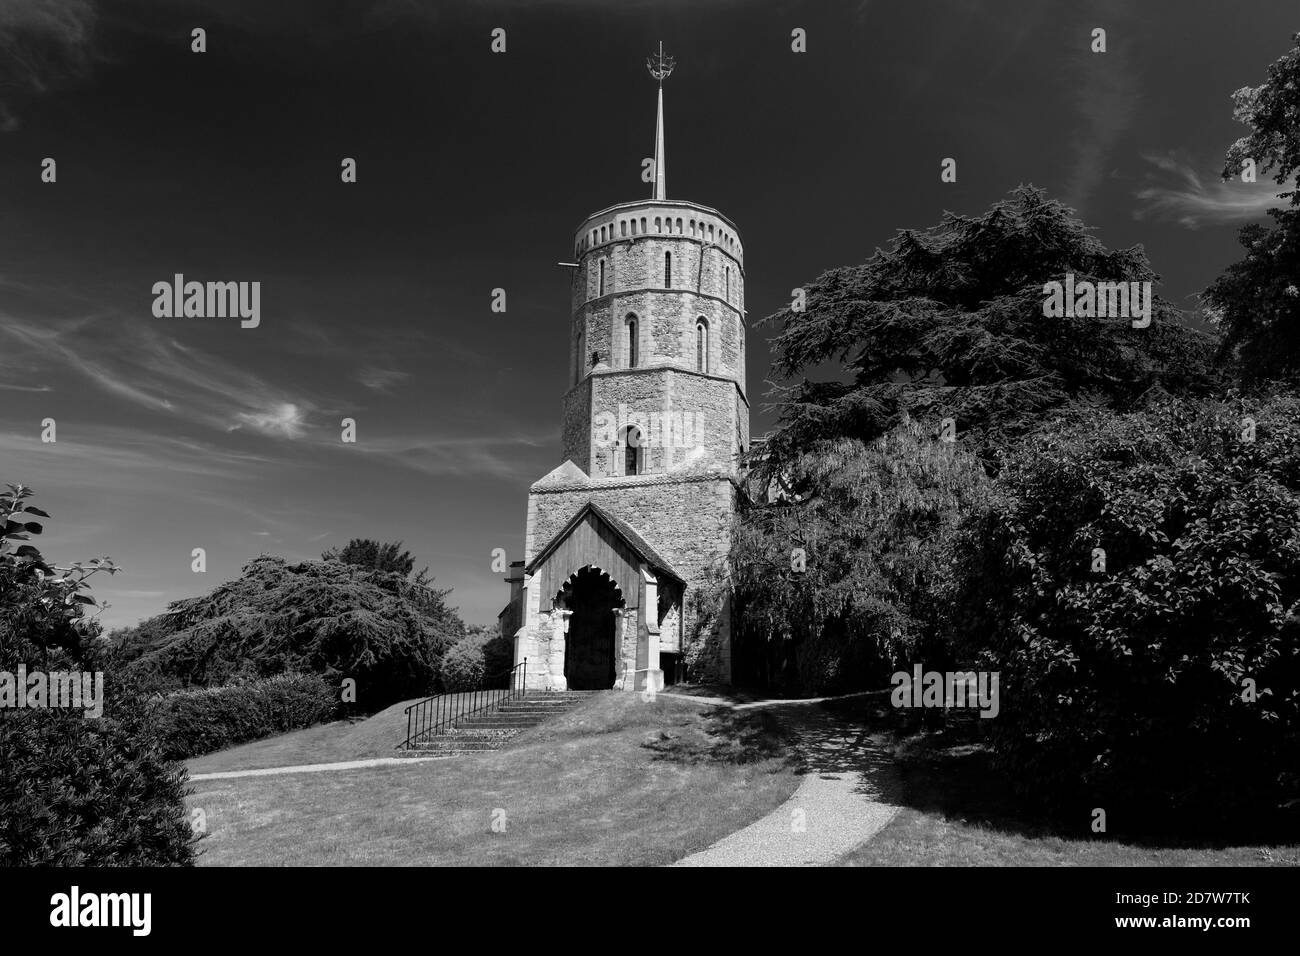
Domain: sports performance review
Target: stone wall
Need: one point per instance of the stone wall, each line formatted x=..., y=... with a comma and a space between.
x=687, y=520
x=707, y=281
x=576, y=437
x=666, y=321
x=714, y=414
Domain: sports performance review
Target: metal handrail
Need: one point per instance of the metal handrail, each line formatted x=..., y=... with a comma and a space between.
x=437, y=714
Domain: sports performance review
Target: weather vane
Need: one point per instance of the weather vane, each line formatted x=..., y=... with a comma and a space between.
x=660, y=66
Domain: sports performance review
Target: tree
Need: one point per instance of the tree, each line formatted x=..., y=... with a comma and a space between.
x=872, y=524
x=1136, y=584
x=41, y=606
x=75, y=791
x=334, y=618
x=1272, y=111
x=367, y=553
x=1257, y=300
x=949, y=322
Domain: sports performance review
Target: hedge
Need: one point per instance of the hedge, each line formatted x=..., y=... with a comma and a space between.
x=194, y=722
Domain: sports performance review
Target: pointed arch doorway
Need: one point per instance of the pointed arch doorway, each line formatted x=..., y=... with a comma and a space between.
x=591, y=644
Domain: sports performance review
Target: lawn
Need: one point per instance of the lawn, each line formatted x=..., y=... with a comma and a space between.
x=958, y=811
x=615, y=781
x=338, y=740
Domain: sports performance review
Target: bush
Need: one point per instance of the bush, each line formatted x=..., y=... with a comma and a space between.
x=199, y=721
x=481, y=658
x=75, y=791
x=81, y=792
x=462, y=667
x=1126, y=685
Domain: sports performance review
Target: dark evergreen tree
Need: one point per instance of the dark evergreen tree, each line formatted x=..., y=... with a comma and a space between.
x=949, y=322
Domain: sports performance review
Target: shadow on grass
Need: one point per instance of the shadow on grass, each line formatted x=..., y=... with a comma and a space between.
x=913, y=760
x=734, y=695
x=726, y=737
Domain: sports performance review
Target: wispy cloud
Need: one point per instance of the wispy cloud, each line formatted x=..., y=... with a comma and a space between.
x=497, y=456
x=1176, y=193
x=1107, y=97
x=43, y=43
x=285, y=420
x=380, y=379
x=158, y=373
x=139, y=458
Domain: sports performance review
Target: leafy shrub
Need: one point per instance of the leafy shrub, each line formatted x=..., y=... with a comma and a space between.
x=78, y=792
x=75, y=791
x=1128, y=684
x=481, y=658
x=462, y=667
x=201, y=720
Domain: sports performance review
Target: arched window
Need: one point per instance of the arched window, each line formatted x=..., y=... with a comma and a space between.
x=702, y=345
x=727, y=275
x=631, y=341
x=581, y=357
x=622, y=227
x=643, y=229
x=668, y=270
x=632, y=450
x=602, y=278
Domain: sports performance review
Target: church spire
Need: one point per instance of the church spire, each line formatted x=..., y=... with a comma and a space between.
x=660, y=67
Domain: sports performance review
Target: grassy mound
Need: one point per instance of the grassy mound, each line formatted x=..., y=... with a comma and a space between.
x=615, y=782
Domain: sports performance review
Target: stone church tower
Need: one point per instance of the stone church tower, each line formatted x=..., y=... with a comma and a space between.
x=621, y=537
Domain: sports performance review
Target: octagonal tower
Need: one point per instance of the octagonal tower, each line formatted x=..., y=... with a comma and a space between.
x=654, y=419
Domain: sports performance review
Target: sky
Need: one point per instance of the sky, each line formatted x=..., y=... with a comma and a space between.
x=473, y=169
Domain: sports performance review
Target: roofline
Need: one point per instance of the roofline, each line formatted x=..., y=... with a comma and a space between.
x=685, y=204
x=572, y=523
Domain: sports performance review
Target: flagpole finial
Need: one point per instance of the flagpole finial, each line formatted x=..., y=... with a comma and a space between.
x=660, y=66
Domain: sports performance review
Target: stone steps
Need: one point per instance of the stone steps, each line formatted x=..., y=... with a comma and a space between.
x=492, y=729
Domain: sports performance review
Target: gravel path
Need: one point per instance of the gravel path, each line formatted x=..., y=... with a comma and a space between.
x=841, y=803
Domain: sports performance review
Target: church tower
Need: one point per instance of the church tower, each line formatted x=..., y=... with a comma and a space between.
x=625, y=541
